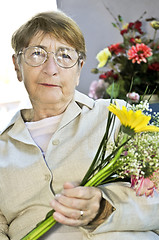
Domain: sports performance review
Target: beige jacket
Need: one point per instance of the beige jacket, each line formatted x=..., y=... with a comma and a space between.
x=28, y=182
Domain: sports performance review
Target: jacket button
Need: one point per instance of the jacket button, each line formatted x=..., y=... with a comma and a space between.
x=55, y=142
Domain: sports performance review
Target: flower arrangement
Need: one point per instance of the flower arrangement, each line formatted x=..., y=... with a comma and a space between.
x=127, y=159
x=139, y=160
x=133, y=62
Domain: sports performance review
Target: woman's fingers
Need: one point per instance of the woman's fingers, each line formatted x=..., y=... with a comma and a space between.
x=82, y=192
x=76, y=206
x=65, y=211
x=70, y=221
x=71, y=202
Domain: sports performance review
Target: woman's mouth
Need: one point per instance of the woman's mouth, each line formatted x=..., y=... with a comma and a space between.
x=49, y=85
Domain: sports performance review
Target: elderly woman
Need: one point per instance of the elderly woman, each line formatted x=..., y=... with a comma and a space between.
x=45, y=151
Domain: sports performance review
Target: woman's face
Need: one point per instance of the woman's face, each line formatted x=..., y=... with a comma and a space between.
x=49, y=83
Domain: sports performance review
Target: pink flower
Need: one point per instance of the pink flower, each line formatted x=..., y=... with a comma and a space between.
x=97, y=89
x=92, y=89
x=142, y=186
x=139, y=53
x=134, y=97
x=155, y=179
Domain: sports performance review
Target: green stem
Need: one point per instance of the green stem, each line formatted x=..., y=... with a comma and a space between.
x=154, y=36
x=107, y=170
x=97, y=156
x=42, y=228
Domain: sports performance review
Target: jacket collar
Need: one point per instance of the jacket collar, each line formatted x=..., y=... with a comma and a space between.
x=73, y=109
x=83, y=99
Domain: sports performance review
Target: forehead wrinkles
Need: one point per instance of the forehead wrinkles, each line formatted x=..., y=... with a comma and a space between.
x=48, y=41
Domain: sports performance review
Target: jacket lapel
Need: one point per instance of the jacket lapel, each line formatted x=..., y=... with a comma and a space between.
x=74, y=108
x=19, y=132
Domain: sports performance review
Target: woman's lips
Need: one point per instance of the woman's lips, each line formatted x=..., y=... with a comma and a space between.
x=49, y=85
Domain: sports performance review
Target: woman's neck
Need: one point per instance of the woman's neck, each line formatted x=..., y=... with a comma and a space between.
x=41, y=112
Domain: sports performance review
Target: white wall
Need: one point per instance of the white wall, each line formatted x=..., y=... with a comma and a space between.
x=13, y=15
x=96, y=25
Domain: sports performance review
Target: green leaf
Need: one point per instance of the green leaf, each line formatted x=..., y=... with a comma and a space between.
x=120, y=18
x=116, y=90
x=114, y=25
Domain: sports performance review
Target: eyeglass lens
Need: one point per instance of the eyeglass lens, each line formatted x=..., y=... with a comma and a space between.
x=64, y=57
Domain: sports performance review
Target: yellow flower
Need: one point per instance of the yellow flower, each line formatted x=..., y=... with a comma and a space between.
x=103, y=57
x=133, y=122
x=138, y=40
x=155, y=24
x=125, y=26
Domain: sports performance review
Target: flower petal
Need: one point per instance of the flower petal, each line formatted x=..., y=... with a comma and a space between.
x=103, y=57
x=136, y=121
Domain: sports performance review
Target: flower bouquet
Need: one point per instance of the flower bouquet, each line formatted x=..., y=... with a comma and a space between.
x=142, y=172
x=139, y=160
x=132, y=62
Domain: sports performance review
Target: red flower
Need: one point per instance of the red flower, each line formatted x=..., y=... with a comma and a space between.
x=132, y=40
x=139, y=53
x=137, y=26
x=123, y=31
x=108, y=74
x=131, y=24
x=103, y=76
x=154, y=66
x=115, y=76
x=116, y=48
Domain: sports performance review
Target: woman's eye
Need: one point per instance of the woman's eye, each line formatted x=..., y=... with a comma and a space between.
x=36, y=54
x=64, y=55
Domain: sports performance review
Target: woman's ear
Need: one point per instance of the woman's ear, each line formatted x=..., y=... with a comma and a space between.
x=81, y=63
x=17, y=67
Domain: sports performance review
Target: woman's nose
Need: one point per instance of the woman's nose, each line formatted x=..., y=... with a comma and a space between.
x=50, y=66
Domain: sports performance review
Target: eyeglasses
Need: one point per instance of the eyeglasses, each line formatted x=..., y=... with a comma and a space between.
x=64, y=57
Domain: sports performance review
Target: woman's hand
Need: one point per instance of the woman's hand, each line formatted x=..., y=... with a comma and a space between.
x=75, y=200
